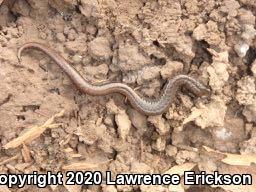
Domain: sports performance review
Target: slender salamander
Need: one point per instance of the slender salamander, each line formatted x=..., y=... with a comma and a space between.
x=142, y=104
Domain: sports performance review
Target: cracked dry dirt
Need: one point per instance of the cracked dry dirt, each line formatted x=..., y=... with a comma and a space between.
x=141, y=43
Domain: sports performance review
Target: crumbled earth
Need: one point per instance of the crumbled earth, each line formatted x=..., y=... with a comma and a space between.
x=140, y=43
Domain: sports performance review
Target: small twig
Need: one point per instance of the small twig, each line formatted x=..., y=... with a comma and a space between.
x=34, y=132
x=10, y=159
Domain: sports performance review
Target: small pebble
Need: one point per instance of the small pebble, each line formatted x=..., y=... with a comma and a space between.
x=241, y=49
x=77, y=58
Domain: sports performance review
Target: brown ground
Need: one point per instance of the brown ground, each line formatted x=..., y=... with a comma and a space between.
x=140, y=43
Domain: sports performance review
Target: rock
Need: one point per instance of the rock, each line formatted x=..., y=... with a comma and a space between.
x=246, y=39
x=123, y=123
x=241, y=49
x=99, y=48
x=77, y=58
x=170, y=69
